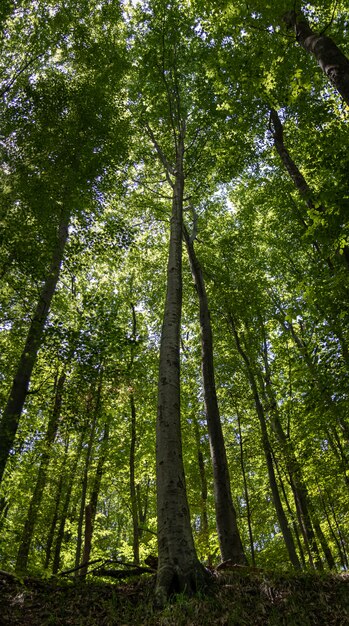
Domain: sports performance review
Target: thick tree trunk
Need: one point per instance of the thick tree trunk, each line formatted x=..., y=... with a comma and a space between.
x=299, y=181
x=30, y=522
x=331, y=59
x=228, y=533
x=284, y=527
x=13, y=410
x=179, y=568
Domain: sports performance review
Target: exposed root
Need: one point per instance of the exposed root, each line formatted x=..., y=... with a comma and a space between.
x=173, y=579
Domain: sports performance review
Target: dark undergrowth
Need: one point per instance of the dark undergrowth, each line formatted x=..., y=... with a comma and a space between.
x=240, y=596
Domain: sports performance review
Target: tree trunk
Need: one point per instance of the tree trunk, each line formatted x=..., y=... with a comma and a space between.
x=133, y=490
x=55, y=516
x=286, y=532
x=291, y=514
x=204, y=532
x=91, y=508
x=332, y=61
x=96, y=413
x=66, y=502
x=247, y=498
x=298, y=179
x=323, y=542
x=179, y=568
x=293, y=467
x=13, y=410
x=228, y=533
x=28, y=530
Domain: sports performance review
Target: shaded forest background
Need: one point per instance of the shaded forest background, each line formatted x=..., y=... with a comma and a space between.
x=91, y=97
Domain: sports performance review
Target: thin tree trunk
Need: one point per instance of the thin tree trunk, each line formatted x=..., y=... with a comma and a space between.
x=133, y=490
x=91, y=507
x=340, y=534
x=228, y=533
x=286, y=532
x=298, y=486
x=331, y=59
x=247, y=498
x=55, y=516
x=203, y=482
x=13, y=410
x=298, y=179
x=30, y=522
x=133, y=445
x=291, y=514
x=179, y=568
x=96, y=413
x=323, y=542
x=66, y=502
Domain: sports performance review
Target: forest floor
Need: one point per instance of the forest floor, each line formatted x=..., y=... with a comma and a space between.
x=240, y=596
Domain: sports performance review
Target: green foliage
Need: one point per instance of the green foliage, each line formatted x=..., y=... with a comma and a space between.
x=82, y=85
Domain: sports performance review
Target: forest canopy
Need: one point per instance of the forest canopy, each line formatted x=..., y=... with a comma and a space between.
x=174, y=302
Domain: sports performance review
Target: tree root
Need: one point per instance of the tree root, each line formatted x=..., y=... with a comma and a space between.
x=173, y=579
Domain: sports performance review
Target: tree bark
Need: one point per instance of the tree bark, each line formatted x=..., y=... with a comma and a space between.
x=331, y=59
x=30, y=522
x=227, y=529
x=13, y=410
x=179, y=569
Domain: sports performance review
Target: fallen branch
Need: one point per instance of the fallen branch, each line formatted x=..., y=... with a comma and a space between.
x=121, y=574
x=75, y=569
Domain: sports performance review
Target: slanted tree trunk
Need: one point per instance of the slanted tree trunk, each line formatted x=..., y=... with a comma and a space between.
x=228, y=533
x=13, y=410
x=293, y=467
x=340, y=541
x=179, y=568
x=331, y=59
x=30, y=522
x=284, y=526
x=324, y=394
x=290, y=512
x=298, y=179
